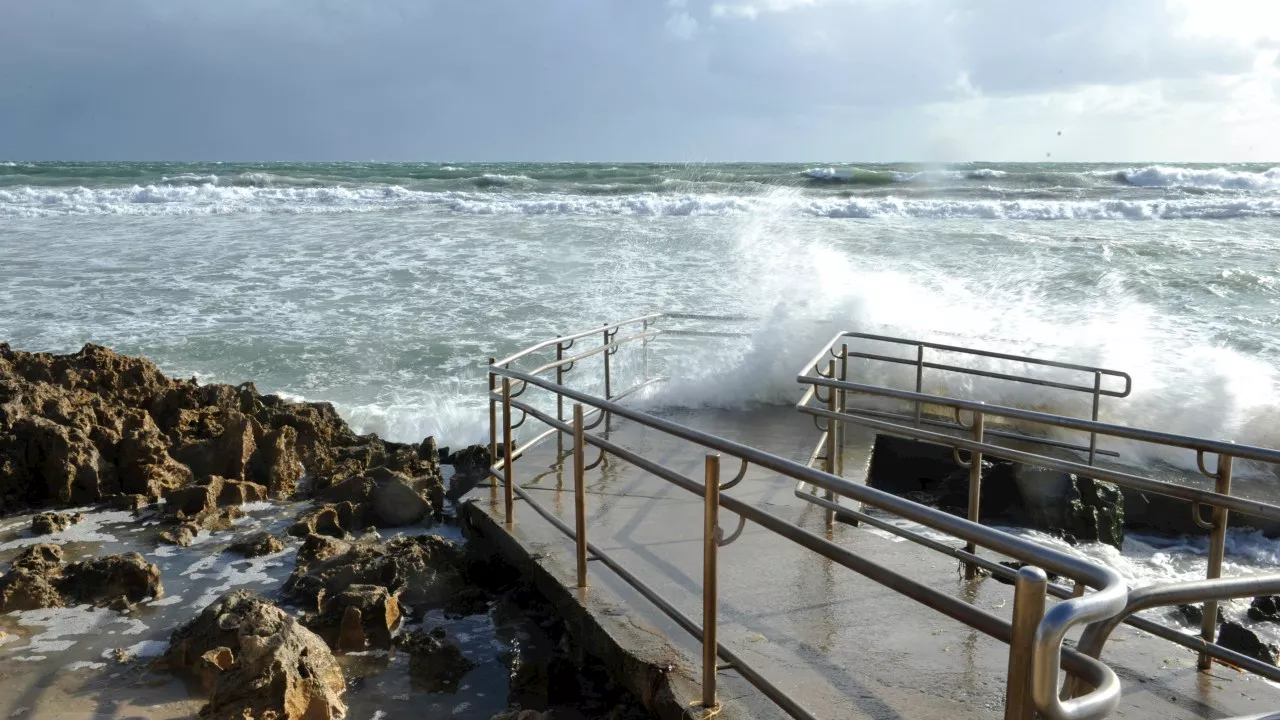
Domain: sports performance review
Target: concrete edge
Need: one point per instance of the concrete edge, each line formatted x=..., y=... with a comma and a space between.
x=637, y=656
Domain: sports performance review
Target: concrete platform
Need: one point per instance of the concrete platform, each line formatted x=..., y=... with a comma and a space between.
x=840, y=644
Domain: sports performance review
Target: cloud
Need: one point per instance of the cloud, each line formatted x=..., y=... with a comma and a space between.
x=597, y=79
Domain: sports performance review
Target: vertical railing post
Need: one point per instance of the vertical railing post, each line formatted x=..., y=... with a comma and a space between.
x=833, y=434
x=710, y=579
x=493, y=430
x=1097, y=398
x=507, y=470
x=579, y=493
x=1028, y=610
x=844, y=404
x=644, y=352
x=975, y=489
x=1217, y=549
x=559, y=397
x=608, y=377
x=919, y=381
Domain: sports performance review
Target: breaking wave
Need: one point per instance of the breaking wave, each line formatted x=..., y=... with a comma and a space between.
x=207, y=199
x=1208, y=178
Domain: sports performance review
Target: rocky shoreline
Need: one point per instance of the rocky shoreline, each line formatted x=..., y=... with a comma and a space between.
x=185, y=460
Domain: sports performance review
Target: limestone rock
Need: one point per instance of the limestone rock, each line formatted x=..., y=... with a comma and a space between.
x=1194, y=614
x=357, y=617
x=103, y=579
x=418, y=570
x=1265, y=609
x=182, y=535
x=434, y=665
x=335, y=520
x=320, y=547
x=50, y=523
x=277, y=669
x=40, y=558
x=257, y=545
x=25, y=589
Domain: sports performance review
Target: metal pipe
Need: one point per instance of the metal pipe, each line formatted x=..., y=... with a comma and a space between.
x=1217, y=549
x=493, y=415
x=608, y=381
x=919, y=381
x=1028, y=609
x=559, y=397
x=1246, y=452
x=1254, y=508
x=1096, y=635
x=710, y=578
x=1097, y=398
x=1020, y=437
x=507, y=469
x=505, y=362
x=975, y=491
x=833, y=448
x=579, y=495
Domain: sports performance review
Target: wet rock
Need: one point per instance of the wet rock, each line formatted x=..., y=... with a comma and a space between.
x=358, y=617
x=212, y=665
x=422, y=570
x=41, y=558
x=466, y=602
x=50, y=523
x=1194, y=614
x=1265, y=608
x=470, y=468
x=257, y=545
x=213, y=492
x=335, y=520
x=384, y=498
x=434, y=665
x=1235, y=636
x=93, y=425
x=103, y=579
x=183, y=535
x=277, y=667
x=25, y=589
x=130, y=503
x=321, y=547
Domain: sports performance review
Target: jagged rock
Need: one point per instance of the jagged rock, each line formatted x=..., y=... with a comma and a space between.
x=336, y=520
x=1235, y=636
x=358, y=617
x=1265, y=609
x=465, y=602
x=434, y=666
x=1194, y=614
x=257, y=545
x=103, y=579
x=94, y=425
x=277, y=669
x=321, y=547
x=50, y=523
x=212, y=665
x=183, y=535
x=470, y=468
x=40, y=558
x=418, y=570
x=213, y=492
x=25, y=589
x=131, y=503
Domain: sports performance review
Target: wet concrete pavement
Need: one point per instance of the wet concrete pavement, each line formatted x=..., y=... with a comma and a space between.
x=837, y=642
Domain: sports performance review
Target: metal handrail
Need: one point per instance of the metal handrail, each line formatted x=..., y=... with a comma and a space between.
x=1109, y=598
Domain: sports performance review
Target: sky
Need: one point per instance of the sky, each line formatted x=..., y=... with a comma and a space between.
x=635, y=80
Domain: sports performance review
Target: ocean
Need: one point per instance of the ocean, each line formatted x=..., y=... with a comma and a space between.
x=384, y=287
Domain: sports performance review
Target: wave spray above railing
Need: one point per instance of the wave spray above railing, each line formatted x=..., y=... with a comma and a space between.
x=1098, y=600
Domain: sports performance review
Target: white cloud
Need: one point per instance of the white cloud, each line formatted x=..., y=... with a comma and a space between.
x=682, y=26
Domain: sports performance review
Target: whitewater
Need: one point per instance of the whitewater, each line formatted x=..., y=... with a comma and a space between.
x=383, y=288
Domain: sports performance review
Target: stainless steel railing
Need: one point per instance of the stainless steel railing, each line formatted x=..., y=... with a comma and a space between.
x=1035, y=639
x=836, y=414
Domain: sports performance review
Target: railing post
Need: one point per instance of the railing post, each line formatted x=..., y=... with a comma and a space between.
x=844, y=403
x=608, y=379
x=710, y=579
x=1217, y=549
x=1097, y=398
x=975, y=489
x=919, y=381
x=507, y=470
x=579, y=493
x=1028, y=609
x=833, y=433
x=493, y=430
x=644, y=352
x=559, y=397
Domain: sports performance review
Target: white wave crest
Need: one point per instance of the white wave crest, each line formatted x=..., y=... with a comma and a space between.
x=191, y=178
x=1208, y=178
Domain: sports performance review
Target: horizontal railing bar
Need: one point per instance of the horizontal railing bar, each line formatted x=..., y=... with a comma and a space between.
x=1247, y=452
x=770, y=690
x=565, y=338
x=1254, y=508
x=997, y=433
x=1054, y=560
x=593, y=351
x=704, y=333
x=696, y=316
x=991, y=354
x=988, y=373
